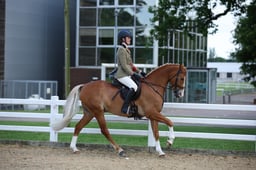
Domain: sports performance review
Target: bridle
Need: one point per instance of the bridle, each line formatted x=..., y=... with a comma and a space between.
x=174, y=88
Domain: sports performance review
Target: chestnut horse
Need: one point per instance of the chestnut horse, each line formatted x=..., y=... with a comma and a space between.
x=97, y=98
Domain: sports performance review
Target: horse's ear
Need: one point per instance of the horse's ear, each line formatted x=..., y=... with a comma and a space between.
x=181, y=64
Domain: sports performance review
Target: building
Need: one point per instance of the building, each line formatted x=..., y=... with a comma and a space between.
x=98, y=23
x=34, y=42
x=227, y=72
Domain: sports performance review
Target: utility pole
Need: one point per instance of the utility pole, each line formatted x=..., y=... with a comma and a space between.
x=67, y=47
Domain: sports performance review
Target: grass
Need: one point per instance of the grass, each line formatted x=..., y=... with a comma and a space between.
x=138, y=140
x=232, y=87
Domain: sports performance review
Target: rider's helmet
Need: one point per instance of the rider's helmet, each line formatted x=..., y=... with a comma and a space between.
x=124, y=33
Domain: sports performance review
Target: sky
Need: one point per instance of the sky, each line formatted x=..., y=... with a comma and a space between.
x=222, y=39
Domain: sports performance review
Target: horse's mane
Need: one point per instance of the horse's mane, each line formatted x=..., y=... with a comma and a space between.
x=166, y=64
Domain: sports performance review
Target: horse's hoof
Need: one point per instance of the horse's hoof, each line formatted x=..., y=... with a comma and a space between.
x=75, y=150
x=169, y=143
x=122, y=154
x=162, y=156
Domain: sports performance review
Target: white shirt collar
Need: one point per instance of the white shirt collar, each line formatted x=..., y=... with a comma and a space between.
x=125, y=45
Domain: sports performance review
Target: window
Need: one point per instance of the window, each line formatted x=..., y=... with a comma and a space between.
x=126, y=17
x=106, y=36
x=143, y=37
x=229, y=75
x=107, y=2
x=106, y=17
x=97, y=34
x=87, y=37
x=125, y=2
x=85, y=20
x=218, y=74
x=87, y=56
x=106, y=55
x=87, y=3
x=143, y=55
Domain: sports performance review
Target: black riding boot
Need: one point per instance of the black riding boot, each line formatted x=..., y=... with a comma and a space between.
x=127, y=100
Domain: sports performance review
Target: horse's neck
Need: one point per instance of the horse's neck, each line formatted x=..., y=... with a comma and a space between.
x=160, y=76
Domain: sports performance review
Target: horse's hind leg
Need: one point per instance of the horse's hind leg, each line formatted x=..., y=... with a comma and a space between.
x=104, y=130
x=79, y=126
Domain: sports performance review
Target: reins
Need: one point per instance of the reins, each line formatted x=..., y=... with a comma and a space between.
x=151, y=85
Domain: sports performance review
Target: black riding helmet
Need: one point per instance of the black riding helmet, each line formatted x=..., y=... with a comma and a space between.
x=122, y=34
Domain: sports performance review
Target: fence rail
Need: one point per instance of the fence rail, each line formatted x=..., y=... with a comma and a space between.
x=54, y=104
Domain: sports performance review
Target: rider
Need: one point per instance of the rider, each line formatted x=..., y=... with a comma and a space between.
x=126, y=68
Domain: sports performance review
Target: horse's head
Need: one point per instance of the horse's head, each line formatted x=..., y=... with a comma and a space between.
x=178, y=80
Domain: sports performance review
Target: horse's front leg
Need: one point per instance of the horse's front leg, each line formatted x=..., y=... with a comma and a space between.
x=154, y=126
x=160, y=118
x=171, y=136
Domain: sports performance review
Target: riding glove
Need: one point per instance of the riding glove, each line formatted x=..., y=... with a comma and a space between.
x=143, y=74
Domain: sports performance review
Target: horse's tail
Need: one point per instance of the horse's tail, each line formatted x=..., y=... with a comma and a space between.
x=71, y=107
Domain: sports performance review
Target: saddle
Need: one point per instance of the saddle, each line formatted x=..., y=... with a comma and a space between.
x=123, y=90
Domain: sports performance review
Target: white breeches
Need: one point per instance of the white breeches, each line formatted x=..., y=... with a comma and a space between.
x=128, y=82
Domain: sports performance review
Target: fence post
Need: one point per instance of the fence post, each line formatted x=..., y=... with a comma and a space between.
x=223, y=98
x=103, y=72
x=54, y=111
x=229, y=98
x=151, y=138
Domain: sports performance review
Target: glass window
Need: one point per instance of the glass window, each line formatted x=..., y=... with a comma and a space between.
x=229, y=75
x=145, y=2
x=143, y=37
x=218, y=75
x=88, y=3
x=87, y=37
x=106, y=36
x=106, y=55
x=197, y=85
x=106, y=17
x=126, y=17
x=87, y=57
x=144, y=55
x=106, y=2
x=85, y=20
x=125, y=2
x=143, y=16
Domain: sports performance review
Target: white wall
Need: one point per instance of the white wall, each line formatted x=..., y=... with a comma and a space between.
x=34, y=39
x=224, y=68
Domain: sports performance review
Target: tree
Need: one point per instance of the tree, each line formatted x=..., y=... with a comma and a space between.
x=245, y=38
x=199, y=16
x=217, y=59
x=191, y=15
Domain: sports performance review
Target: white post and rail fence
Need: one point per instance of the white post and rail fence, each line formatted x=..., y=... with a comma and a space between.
x=54, y=115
